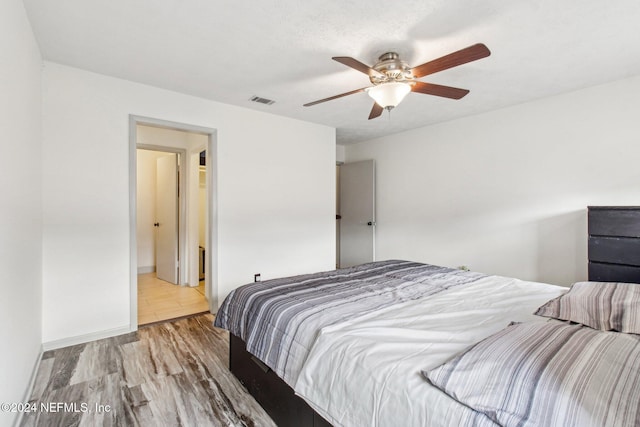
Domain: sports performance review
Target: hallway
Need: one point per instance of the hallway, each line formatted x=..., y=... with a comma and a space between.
x=159, y=300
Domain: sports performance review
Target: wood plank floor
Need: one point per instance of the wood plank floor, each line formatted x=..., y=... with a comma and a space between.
x=159, y=300
x=168, y=374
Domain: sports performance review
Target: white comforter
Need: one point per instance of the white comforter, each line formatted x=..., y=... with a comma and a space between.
x=366, y=371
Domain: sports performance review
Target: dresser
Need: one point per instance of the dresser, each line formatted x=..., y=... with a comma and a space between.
x=614, y=243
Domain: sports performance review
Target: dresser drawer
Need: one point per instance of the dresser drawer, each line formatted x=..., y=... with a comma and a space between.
x=613, y=273
x=614, y=250
x=614, y=222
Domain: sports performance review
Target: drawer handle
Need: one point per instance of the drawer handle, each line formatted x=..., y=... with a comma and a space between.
x=264, y=368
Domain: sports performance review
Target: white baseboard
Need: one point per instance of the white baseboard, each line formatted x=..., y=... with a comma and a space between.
x=81, y=339
x=147, y=269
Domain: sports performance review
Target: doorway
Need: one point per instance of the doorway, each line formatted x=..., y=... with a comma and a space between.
x=161, y=224
x=168, y=255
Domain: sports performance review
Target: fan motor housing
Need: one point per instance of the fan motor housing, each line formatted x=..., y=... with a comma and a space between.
x=393, y=69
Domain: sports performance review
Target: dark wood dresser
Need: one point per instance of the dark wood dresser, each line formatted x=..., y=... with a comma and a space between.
x=614, y=244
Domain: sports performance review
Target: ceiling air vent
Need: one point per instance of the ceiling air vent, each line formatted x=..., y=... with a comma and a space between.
x=261, y=100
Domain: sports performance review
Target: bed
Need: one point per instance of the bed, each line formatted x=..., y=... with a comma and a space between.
x=404, y=343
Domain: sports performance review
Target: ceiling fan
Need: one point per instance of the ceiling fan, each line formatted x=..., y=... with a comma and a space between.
x=393, y=79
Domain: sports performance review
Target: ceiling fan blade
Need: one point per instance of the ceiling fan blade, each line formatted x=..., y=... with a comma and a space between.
x=309, y=104
x=375, y=111
x=357, y=65
x=468, y=54
x=438, y=90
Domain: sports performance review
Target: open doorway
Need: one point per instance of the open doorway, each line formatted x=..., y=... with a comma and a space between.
x=163, y=293
x=173, y=235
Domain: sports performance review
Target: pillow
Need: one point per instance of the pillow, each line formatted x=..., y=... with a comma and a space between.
x=599, y=305
x=548, y=374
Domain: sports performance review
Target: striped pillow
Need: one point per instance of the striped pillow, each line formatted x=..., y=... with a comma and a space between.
x=599, y=305
x=548, y=374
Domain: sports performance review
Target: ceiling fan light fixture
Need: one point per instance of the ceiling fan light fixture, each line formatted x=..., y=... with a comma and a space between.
x=393, y=79
x=389, y=95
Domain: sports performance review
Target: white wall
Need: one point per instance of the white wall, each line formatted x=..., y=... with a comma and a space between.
x=151, y=135
x=20, y=208
x=276, y=180
x=506, y=192
x=340, y=153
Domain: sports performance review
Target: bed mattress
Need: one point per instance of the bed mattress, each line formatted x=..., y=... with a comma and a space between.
x=367, y=371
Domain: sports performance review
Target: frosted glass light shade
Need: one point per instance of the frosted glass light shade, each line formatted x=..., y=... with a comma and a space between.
x=389, y=95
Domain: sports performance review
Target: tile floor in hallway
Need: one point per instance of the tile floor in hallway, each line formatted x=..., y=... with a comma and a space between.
x=159, y=300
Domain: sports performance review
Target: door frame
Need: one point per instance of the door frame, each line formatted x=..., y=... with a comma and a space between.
x=211, y=254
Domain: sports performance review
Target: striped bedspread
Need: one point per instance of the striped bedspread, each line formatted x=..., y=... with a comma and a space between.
x=548, y=374
x=279, y=319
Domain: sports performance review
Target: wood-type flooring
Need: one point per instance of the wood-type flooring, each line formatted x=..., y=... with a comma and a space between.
x=159, y=300
x=168, y=374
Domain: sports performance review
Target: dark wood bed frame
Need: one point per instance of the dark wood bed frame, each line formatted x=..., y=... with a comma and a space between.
x=614, y=256
x=271, y=392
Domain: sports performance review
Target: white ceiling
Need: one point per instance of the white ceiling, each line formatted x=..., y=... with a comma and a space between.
x=228, y=51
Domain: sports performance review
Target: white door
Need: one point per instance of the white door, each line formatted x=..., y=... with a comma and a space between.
x=167, y=218
x=357, y=211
